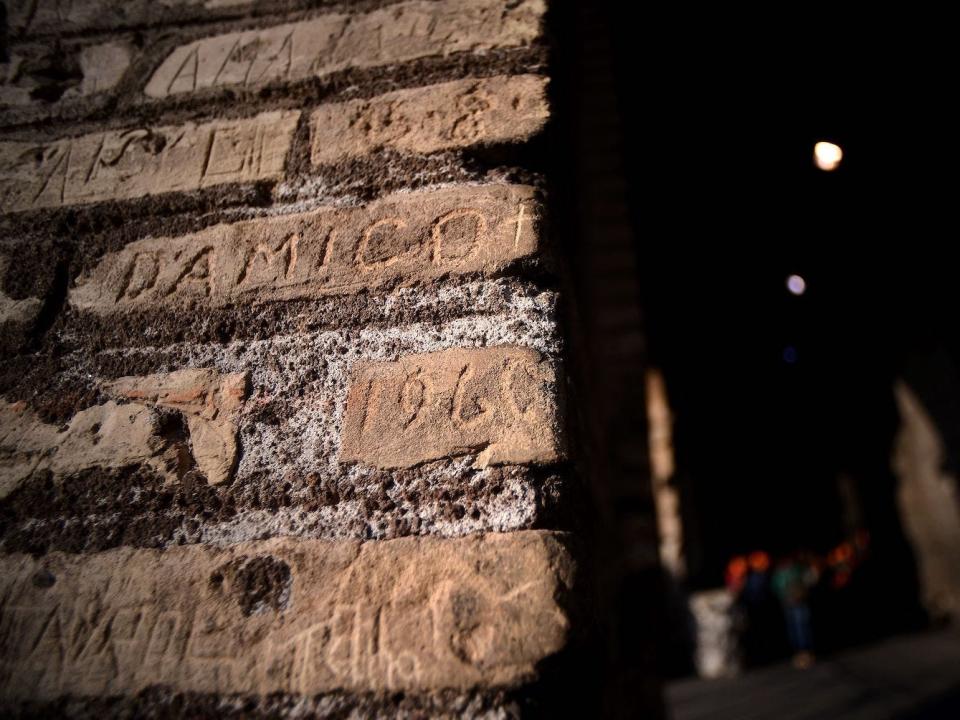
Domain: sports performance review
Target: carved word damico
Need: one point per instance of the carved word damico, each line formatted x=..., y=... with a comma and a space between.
x=408, y=237
x=314, y=48
x=407, y=614
x=437, y=117
x=121, y=164
x=500, y=402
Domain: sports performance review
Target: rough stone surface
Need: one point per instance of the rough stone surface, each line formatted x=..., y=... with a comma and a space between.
x=438, y=117
x=39, y=74
x=407, y=238
x=133, y=163
x=289, y=479
x=210, y=402
x=18, y=311
x=60, y=16
x=314, y=48
x=284, y=616
x=107, y=436
x=500, y=402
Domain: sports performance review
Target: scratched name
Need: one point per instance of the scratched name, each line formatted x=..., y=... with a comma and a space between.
x=408, y=237
x=123, y=164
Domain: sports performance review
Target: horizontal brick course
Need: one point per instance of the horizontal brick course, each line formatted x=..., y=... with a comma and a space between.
x=407, y=238
x=313, y=48
x=283, y=616
x=123, y=164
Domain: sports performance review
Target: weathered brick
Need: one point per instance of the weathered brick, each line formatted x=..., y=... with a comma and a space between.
x=407, y=237
x=437, y=117
x=313, y=48
x=208, y=400
x=498, y=401
x=121, y=164
x=296, y=616
x=115, y=436
x=107, y=436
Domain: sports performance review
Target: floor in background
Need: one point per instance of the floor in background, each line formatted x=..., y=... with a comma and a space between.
x=914, y=677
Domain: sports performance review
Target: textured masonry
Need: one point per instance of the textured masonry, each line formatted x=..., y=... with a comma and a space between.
x=499, y=402
x=295, y=51
x=132, y=163
x=404, y=614
x=411, y=237
x=437, y=117
x=283, y=417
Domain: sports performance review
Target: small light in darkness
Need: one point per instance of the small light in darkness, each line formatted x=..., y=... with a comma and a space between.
x=790, y=354
x=796, y=285
x=827, y=156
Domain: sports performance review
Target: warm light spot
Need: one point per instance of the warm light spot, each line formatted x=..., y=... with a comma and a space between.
x=827, y=156
x=796, y=285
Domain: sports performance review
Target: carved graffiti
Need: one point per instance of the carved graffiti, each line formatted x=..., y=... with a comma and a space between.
x=144, y=161
x=499, y=402
x=407, y=614
x=436, y=117
x=412, y=237
x=332, y=42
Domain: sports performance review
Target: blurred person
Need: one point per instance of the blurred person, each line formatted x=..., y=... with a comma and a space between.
x=792, y=581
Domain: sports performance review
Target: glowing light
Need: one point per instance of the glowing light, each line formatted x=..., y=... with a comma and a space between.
x=796, y=285
x=827, y=156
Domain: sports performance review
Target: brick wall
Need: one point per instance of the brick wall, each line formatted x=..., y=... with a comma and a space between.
x=283, y=403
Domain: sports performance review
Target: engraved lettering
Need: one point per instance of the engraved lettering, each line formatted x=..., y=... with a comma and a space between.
x=448, y=115
x=382, y=238
x=497, y=402
x=405, y=238
x=195, y=278
x=414, y=614
x=467, y=408
x=131, y=163
x=185, y=78
x=141, y=275
x=466, y=227
x=266, y=264
x=317, y=47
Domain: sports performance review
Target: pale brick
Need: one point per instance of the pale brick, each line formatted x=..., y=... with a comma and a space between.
x=105, y=436
x=408, y=614
x=314, y=48
x=115, y=436
x=437, y=117
x=122, y=164
x=209, y=401
x=500, y=402
x=407, y=237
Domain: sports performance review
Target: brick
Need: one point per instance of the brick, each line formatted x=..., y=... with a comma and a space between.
x=498, y=401
x=437, y=117
x=115, y=436
x=314, y=48
x=209, y=401
x=283, y=615
x=407, y=237
x=107, y=436
x=122, y=164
